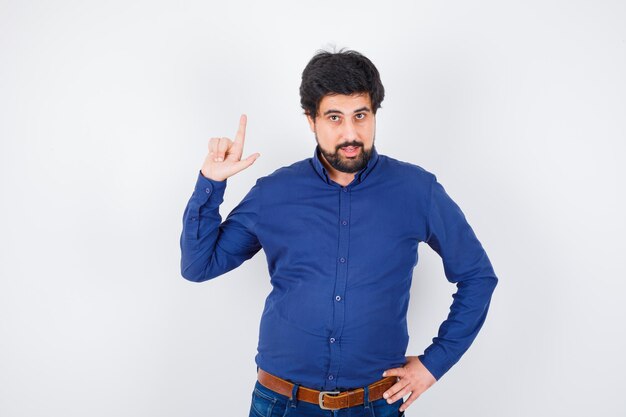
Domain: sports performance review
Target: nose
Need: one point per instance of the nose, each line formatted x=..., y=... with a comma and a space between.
x=348, y=132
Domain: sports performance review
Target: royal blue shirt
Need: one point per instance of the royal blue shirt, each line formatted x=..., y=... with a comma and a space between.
x=340, y=261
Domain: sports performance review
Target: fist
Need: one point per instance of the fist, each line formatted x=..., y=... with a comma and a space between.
x=224, y=157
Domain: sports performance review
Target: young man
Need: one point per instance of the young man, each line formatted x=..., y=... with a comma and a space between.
x=340, y=231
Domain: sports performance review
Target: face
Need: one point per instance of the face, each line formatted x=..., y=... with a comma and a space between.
x=345, y=129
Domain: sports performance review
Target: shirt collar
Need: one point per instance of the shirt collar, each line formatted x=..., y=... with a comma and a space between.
x=360, y=176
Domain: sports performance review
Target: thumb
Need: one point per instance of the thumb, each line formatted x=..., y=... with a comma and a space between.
x=245, y=163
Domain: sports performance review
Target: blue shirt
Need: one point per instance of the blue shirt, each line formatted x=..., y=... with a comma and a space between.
x=341, y=260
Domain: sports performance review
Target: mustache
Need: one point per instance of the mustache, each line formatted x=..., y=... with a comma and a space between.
x=350, y=144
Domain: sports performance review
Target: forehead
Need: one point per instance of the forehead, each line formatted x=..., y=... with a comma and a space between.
x=345, y=103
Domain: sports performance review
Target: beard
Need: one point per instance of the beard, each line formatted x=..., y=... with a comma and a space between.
x=347, y=164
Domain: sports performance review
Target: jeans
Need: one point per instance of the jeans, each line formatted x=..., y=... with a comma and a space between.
x=268, y=403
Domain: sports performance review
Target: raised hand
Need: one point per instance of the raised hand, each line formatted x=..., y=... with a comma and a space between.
x=224, y=157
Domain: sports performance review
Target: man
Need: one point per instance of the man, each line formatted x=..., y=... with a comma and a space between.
x=340, y=231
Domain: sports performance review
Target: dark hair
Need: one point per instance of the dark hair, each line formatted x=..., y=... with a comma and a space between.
x=343, y=72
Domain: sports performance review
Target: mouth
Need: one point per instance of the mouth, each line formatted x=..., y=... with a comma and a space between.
x=350, y=150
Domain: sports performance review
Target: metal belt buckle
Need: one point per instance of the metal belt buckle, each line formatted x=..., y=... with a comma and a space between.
x=321, y=399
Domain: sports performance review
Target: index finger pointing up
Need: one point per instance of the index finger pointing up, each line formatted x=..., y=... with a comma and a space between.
x=241, y=132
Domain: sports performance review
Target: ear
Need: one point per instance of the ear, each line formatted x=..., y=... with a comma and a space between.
x=311, y=122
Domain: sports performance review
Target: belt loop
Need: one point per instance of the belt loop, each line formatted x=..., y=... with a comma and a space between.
x=294, y=395
x=366, y=397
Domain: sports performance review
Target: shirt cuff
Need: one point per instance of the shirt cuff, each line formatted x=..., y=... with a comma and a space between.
x=436, y=368
x=206, y=187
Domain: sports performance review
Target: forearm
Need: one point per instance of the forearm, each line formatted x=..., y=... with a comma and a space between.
x=201, y=221
x=467, y=315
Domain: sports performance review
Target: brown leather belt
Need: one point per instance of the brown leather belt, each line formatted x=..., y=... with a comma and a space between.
x=328, y=400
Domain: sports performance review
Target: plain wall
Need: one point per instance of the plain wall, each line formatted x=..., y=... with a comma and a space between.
x=106, y=109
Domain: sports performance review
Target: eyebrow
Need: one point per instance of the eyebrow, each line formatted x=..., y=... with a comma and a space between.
x=362, y=109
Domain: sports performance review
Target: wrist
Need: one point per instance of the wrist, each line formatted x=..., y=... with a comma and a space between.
x=211, y=178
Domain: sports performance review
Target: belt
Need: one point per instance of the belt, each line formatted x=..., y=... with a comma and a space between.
x=328, y=400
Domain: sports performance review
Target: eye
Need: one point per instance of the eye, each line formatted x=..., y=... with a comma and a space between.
x=360, y=116
x=334, y=115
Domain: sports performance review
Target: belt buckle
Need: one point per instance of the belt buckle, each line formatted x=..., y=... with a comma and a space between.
x=321, y=399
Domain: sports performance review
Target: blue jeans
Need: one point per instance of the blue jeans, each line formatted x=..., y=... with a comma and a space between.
x=268, y=403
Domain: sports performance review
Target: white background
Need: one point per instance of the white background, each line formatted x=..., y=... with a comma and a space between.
x=106, y=109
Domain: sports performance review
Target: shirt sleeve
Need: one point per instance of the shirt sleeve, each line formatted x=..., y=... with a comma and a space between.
x=210, y=247
x=467, y=265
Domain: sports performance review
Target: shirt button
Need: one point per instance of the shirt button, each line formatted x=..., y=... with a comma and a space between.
x=208, y=190
x=330, y=377
x=345, y=190
x=332, y=340
x=342, y=259
x=338, y=298
x=194, y=218
x=344, y=222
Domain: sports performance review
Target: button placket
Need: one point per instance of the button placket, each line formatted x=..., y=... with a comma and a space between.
x=340, y=288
